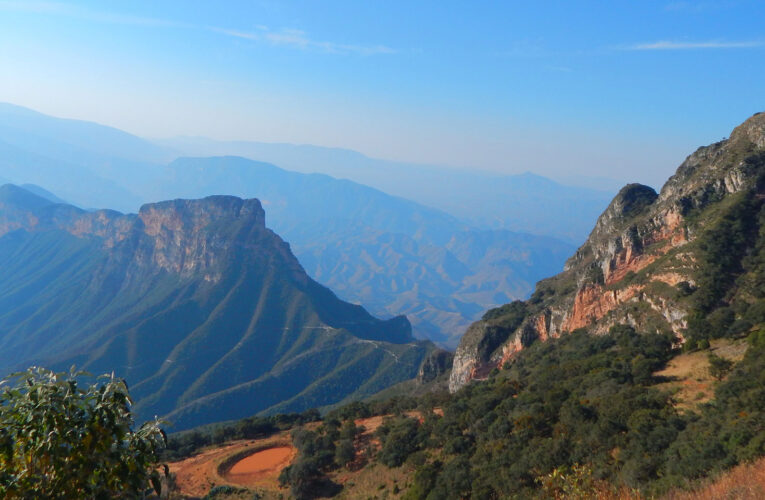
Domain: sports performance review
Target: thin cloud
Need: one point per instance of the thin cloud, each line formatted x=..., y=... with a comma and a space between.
x=712, y=44
x=300, y=40
x=287, y=37
x=236, y=34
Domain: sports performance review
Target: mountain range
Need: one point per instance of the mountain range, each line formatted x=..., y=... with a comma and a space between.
x=201, y=307
x=525, y=202
x=392, y=255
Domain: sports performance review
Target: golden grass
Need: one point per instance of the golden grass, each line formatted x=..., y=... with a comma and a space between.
x=690, y=381
x=745, y=482
x=375, y=481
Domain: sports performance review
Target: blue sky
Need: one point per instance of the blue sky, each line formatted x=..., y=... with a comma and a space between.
x=620, y=89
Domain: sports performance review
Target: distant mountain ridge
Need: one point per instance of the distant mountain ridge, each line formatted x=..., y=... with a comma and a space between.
x=202, y=308
x=393, y=255
x=524, y=202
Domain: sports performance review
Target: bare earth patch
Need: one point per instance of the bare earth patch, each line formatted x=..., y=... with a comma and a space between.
x=262, y=465
x=195, y=476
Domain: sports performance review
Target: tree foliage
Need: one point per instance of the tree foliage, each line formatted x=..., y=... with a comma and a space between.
x=60, y=439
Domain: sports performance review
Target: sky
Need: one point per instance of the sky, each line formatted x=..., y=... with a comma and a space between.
x=617, y=89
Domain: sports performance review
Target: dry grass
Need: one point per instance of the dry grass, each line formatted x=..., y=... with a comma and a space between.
x=745, y=482
x=689, y=376
x=375, y=481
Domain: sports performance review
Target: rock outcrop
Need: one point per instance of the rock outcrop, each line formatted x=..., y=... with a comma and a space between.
x=437, y=363
x=637, y=257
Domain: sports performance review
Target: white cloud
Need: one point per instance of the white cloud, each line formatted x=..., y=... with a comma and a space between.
x=236, y=33
x=711, y=44
x=300, y=40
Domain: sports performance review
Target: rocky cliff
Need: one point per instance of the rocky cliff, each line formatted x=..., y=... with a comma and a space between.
x=643, y=261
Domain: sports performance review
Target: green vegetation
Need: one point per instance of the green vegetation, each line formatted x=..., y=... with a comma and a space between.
x=578, y=400
x=318, y=454
x=226, y=491
x=729, y=296
x=728, y=430
x=568, y=418
x=61, y=440
x=635, y=199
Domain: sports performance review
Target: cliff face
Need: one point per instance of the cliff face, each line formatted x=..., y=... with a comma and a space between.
x=637, y=262
x=203, y=309
x=173, y=235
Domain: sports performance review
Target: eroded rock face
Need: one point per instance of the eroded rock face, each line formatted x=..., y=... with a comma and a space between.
x=177, y=230
x=435, y=364
x=634, y=254
x=170, y=235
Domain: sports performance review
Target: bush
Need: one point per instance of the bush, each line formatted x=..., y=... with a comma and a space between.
x=719, y=367
x=223, y=491
x=60, y=440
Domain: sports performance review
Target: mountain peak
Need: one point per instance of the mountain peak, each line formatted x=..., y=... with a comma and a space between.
x=631, y=200
x=642, y=247
x=752, y=131
x=195, y=214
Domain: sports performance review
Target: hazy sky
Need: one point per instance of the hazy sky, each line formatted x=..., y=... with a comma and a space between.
x=622, y=89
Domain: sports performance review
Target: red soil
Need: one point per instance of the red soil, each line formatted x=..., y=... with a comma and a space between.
x=269, y=462
x=196, y=475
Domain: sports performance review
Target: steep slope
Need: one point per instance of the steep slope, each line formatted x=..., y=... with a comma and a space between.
x=684, y=260
x=202, y=308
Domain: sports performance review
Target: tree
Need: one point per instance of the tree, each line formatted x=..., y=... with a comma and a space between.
x=719, y=367
x=399, y=439
x=345, y=452
x=304, y=478
x=60, y=440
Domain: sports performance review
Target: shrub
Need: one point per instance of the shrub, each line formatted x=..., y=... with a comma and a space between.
x=60, y=440
x=719, y=367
